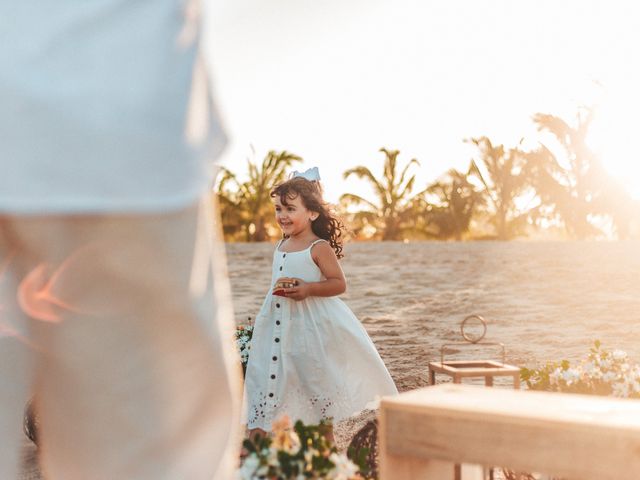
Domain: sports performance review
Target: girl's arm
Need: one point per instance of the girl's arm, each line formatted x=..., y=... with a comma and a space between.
x=327, y=262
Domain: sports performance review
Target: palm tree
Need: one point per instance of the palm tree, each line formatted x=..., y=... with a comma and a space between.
x=572, y=184
x=227, y=200
x=393, y=211
x=505, y=182
x=247, y=207
x=456, y=200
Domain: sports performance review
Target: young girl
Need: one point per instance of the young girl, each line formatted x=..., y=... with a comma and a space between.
x=311, y=359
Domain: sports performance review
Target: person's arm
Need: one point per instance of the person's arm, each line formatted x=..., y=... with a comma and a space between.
x=334, y=283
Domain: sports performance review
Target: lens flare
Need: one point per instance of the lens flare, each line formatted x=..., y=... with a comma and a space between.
x=35, y=293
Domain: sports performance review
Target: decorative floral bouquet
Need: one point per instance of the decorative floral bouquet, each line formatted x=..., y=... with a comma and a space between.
x=244, y=333
x=297, y=454
x=602, y=372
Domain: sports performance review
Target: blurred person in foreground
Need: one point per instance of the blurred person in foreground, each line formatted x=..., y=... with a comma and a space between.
x=111, y=314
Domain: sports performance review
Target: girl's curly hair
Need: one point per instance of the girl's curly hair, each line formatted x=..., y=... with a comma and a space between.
x=327, y=226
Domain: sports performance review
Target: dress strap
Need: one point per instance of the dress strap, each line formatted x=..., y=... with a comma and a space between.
x=317, y=241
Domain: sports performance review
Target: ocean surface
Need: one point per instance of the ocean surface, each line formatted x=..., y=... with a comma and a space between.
x=544, y=301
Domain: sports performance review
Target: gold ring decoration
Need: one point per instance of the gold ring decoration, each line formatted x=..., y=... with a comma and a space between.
x=470, y=338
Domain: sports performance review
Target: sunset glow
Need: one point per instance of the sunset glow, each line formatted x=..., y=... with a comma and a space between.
x=614, y=134
x=420, y=77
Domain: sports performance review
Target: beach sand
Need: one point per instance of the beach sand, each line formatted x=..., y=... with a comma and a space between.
x=545, y=301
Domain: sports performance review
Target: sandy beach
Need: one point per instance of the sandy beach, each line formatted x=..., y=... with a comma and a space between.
x=544, y=300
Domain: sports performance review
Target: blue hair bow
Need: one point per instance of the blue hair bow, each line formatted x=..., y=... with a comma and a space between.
x=311, y=174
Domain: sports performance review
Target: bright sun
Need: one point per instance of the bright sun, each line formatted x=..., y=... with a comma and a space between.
x=614, y=134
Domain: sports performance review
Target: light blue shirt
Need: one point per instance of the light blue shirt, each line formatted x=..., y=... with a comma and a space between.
x=98, y=110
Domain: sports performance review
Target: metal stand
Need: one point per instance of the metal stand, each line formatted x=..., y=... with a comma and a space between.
x=459, y=369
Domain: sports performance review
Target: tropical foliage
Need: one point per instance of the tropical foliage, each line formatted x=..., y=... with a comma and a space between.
x=393, y=211
x=560, y=185
x=505, y=182
x=246, y=210
x=567, y=175
x=453, y=200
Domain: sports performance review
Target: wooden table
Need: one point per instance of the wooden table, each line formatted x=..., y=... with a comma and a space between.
x=425, y=432
x=459, y=369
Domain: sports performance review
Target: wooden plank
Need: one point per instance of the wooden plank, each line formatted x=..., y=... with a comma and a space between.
x=399, y=467
x=432, y=376
x=575, y=436
x=403, y=467
x=475, y=363
x=478, y=373
x=473, y=369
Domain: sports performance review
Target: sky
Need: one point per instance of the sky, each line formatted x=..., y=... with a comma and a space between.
x=335, y=80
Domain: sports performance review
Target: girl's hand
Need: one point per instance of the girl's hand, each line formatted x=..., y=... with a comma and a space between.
x=299, y=292
x=282, y=283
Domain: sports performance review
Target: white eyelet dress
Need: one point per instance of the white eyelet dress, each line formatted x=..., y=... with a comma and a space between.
x=310, y=359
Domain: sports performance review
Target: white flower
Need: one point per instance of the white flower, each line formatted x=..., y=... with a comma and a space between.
x=344, y=468
x=571, y=375
x=596, y=374
x=608, y=377
x=554, y=377
x=272, y=457
x=588, y=367
x=309, y=454
x=262, y=471
x=248, y=468
x=619, y=355
x=621, y=390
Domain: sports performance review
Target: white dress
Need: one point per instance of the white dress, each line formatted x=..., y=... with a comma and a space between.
x=310, y=359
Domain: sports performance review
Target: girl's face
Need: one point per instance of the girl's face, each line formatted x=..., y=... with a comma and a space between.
x=293, y=218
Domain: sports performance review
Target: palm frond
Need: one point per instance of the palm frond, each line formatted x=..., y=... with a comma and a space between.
x=364, y=173
x=357, y=200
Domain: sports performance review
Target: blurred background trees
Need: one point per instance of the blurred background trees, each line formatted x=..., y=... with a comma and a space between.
x=392, y=213
x=453, y=201
x=558, y=185
x=245, y=206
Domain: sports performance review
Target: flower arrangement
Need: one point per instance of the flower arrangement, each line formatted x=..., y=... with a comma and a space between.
x=299, y=453
x=244, y=333
x=602, y=372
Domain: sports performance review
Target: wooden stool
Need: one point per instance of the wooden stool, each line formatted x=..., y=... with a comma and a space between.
x=459, y=369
